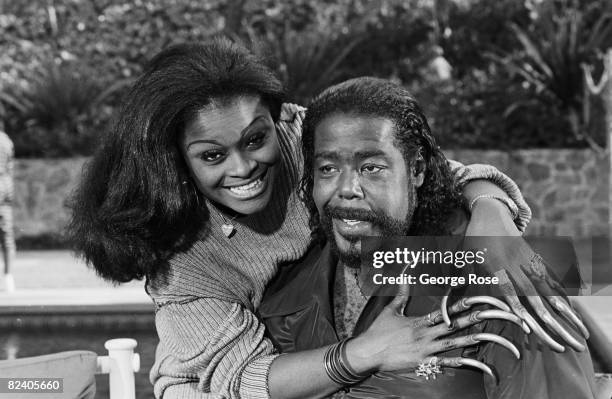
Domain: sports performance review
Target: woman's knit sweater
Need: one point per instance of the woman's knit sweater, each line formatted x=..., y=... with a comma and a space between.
x=211, y=343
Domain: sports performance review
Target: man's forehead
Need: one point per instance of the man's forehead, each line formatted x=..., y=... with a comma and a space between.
x=340, y=153
x=354, y=130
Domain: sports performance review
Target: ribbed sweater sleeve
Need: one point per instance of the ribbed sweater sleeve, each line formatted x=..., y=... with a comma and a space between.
x=211, y=348
x=467, y=173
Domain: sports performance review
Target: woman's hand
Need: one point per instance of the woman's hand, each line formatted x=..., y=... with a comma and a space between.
x=396, y=342
x=515, y=263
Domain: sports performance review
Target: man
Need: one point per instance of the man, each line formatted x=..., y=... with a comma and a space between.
x=372, y=168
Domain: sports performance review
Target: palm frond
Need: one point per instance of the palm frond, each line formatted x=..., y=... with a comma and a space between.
x=532, y=51
x=311, y=61
x=602, y=30
x=551, y=51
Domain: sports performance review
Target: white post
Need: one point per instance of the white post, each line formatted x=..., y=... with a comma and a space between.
x=120, y=364
x=9, y=283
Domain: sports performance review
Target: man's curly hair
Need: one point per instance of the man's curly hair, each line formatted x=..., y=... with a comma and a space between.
x=437, y=197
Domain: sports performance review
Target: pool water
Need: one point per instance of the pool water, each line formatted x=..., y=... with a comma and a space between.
x=24, y=343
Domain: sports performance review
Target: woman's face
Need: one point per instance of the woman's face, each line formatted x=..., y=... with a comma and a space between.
x=232, y=152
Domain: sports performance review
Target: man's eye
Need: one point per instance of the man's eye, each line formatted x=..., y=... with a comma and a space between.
x=327, y=169
x=211, y=156
x=370, y=168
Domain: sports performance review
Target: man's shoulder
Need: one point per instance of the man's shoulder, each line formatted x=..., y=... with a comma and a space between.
x=458, y=221
x=296, y=282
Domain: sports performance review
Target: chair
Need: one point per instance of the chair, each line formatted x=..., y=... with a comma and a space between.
x=78, y=369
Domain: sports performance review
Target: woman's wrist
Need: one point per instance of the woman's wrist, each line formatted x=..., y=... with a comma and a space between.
x=502, y=201
x=360, y=357
x=493, y=210
x=337, y=366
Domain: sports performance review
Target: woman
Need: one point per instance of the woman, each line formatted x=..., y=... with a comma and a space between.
x=195, y=189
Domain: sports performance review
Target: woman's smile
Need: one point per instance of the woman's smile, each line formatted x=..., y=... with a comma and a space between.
x=250, y=189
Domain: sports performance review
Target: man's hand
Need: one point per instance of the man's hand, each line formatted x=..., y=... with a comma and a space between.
x=518, y=266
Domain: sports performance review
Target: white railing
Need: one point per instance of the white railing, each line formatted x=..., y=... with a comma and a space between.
x=121, y=364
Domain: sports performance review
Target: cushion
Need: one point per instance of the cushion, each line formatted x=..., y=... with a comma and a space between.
x=77, y=368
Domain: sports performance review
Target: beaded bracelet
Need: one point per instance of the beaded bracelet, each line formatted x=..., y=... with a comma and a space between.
x=337, y=366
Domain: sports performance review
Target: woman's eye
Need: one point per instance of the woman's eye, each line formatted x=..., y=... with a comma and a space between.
x=211, y=156
x=371, y=168
x=256, y=140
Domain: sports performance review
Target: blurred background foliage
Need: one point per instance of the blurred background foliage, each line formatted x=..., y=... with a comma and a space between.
x=498, y=74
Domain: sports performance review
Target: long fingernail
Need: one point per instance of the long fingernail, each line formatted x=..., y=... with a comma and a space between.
x=488, y=300
x=499, y=340
x=526, y=328
x=499, y=314
x=573, y=317
x=584, y=330
x=478, y=365
x=444, y=309
x=563, y=333
x=557, y=347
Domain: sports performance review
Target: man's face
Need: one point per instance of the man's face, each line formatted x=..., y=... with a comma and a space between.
x=362, y=186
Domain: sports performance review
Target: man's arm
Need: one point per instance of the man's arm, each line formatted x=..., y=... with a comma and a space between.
x=540, y=373
x=491, y=217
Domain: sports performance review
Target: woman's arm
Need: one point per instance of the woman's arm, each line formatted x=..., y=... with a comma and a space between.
x=477, y=180
x=210, y=346
x=490, y=217
x=289, y=133
x=213, y=348
x=218, y=347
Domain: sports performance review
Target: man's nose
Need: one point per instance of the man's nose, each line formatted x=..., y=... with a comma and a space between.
x=350, y=185
x=241, y=166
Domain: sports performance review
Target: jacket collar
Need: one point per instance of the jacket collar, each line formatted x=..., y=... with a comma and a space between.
x=310, y=277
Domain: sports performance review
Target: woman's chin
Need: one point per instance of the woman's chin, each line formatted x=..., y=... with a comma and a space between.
x=251, y=209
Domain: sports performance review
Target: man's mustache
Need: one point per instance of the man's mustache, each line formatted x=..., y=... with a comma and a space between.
x=365, y=215
x=390, y=227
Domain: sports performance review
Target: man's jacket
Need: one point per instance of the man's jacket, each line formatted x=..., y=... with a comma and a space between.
x=298, y=313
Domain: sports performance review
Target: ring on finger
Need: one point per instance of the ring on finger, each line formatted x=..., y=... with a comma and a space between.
x=431, y=320
x=429, y=369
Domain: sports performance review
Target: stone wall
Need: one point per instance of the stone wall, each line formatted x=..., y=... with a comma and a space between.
x=41, y=189
x=566, y=189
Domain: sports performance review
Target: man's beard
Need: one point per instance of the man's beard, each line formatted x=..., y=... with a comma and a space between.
x=387, y=225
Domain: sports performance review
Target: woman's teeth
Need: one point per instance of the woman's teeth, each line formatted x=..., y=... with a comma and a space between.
x=247, y=188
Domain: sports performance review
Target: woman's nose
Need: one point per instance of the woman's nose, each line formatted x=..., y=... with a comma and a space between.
x=242, y=166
